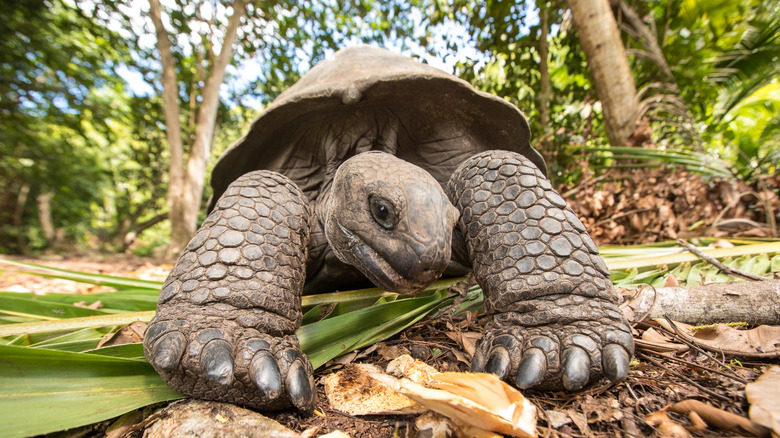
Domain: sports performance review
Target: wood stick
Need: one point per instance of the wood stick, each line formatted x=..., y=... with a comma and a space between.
x=754, y=302
x=719, y=265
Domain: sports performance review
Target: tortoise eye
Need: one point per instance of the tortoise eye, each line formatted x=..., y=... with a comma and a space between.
x=383, y=212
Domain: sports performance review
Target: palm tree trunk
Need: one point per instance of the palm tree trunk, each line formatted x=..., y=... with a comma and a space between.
x=610, y=72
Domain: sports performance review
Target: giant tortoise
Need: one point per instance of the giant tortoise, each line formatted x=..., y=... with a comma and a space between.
x=376, y=167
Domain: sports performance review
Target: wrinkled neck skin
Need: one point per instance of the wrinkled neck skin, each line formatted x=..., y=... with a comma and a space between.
x=391, y=220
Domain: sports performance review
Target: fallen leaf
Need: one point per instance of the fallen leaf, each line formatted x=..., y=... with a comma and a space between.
x=556, y=419
x=654, y=341
x=760, y=342
x=467, y=340
x=665, y=426
x=764, y=398
x=132, y=333
x=580, y=421
x=671, y=281
x=719, y=418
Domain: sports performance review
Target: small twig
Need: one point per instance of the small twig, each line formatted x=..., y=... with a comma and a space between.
x=675, y=373
x=693, y=345
x=691, y=364
x=717, y=264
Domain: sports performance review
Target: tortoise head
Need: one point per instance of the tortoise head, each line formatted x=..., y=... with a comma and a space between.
x=391, y=220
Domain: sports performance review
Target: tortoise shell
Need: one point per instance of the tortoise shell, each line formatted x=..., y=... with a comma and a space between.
x=367, y=98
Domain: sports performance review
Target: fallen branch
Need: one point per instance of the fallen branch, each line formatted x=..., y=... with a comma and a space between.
x=754, y=302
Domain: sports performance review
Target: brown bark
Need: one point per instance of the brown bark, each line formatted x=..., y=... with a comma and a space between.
x=754, y=302
x=21, y=201
x=186, y=184
x=544, y=89
x=204, y=131
x=610, y=72
x=45, y=218
x=130, y=235
x=172, y=124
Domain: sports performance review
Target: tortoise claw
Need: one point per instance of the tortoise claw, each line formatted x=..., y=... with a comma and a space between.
x=532, y=369
x=498, y=362
x=217, y=362
x=265, y=373
x=576, y=368
x=614, y=362
x=299, y=387
x=168, y=350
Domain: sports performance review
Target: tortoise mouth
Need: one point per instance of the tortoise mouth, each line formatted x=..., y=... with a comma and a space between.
x=374, y=266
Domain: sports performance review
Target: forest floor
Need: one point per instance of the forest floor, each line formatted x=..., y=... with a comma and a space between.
x=649, y=206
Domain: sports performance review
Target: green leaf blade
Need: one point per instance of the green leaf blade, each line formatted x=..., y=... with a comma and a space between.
x=43, y=391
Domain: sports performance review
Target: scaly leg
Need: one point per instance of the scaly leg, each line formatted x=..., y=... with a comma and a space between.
x=227, y=312
x=554, y=320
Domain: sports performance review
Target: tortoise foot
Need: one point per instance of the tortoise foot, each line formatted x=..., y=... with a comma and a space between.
x=215, y=360
x=556, y=356
x=555, y=322
x=227, y=313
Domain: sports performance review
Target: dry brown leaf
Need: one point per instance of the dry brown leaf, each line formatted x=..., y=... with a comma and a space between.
x=760, y=342
x=720, y=418
x=665, y=426
x=467, y=340
x=654, y=341
x=132, y=333
x=764, y=398
x=580, y=421
x=671, y=281
x=556, y=419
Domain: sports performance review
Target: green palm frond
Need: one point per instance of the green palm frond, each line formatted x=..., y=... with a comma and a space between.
x=751, y=64
x=628, y=157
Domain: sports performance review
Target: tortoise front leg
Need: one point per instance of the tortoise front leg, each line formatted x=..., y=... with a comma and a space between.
x=554, y=320
x=226, y=314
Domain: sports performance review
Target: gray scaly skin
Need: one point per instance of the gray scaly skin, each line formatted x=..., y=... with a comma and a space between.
x=226, y=316
x=553, y=314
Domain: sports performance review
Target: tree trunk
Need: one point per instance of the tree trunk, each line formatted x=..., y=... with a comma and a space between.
x=544, y=71
x=197, y=163
x=172, y=125
x=21, y=201
x=44, y=216
x=610, y=72
x=186, y=185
